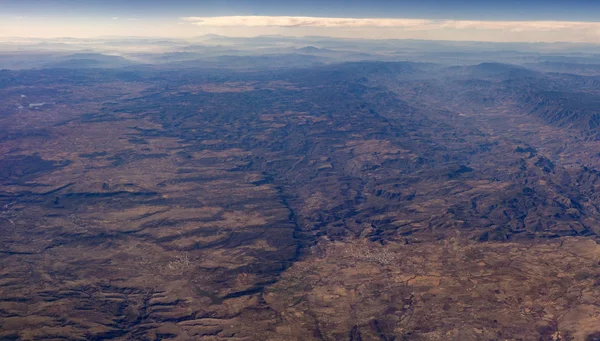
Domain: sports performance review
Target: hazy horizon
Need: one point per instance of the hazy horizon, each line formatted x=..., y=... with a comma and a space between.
x=455, y=20
x=13, y=39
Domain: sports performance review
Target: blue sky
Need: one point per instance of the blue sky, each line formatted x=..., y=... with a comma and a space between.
x=573, y=10
x=488, y=20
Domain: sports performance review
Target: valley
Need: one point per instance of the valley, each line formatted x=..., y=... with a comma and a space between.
x=351, y=201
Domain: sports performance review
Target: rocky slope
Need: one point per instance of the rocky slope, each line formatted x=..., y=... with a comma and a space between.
x=320, y=204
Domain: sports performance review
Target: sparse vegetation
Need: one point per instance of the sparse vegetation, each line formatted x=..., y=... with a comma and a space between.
x=370, y=201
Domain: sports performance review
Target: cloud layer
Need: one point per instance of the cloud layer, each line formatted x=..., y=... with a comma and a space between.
x=258, y=21
x=250, y=26
x=407, y=24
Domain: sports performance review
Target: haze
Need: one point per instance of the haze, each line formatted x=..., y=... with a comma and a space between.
x=497, y=21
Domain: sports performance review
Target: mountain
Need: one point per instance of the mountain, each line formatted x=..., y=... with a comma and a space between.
x=566, y=109
x=89, y=60
x=269, y=61
x=491, y=71
x=566, y=67
x=289, y=195
x=314, y=50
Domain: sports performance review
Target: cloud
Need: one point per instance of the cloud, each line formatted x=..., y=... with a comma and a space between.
x=408, y=24
x=520, y=26
x=261, y=21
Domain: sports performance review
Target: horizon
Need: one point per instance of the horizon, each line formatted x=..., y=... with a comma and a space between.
x=454, y=20
x=341, y=32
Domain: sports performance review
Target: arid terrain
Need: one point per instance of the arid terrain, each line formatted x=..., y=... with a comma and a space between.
x=348, y=201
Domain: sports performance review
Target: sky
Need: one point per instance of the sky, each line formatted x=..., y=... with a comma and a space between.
x=482, y=20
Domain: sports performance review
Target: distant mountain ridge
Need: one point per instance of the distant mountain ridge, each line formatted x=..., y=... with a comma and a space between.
x=90, y=60
x=493, y=71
